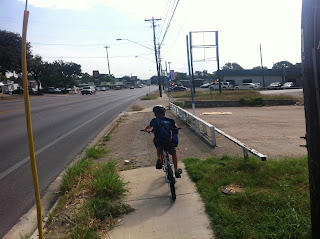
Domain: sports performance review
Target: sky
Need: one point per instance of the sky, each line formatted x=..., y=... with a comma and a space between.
x=79, y=30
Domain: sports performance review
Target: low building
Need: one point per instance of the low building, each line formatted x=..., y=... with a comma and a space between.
x=238, y=77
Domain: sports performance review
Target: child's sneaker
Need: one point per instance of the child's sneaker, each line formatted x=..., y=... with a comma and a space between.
x=178, y=173
x=158, y=164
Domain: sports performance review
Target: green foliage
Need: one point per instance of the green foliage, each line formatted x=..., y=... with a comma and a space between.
x=259, y=68
x=231, y=95
x=149, y=97
x=282, y=65
x=85, y=233
x=108, y=182
x=66, y=70
x=274, y=204
x=103, y=208
x=232, y=66
x=73, y=173
x=252, y=101
x=10, y=48
x=96, y=152
x=107, y=138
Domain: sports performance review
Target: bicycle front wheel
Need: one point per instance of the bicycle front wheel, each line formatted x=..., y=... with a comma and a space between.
x=172, y=183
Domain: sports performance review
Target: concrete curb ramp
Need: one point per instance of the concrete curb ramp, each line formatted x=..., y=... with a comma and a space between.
x=156, y=215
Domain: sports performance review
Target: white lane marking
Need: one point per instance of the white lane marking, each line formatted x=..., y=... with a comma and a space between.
x=65, y=109
x=17, y=165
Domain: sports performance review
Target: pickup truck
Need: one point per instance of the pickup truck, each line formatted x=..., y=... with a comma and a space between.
x=88, y=90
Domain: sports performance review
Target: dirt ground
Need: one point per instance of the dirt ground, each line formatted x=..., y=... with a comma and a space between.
x=274, y=131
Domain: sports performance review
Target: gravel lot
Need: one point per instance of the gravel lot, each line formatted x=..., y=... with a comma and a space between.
x=274, y=131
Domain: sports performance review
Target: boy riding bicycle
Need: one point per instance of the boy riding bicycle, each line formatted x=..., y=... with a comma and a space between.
x=158, y=124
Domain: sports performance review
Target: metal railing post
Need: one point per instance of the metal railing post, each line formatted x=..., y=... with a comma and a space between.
x=245, y=153
x=213, y=136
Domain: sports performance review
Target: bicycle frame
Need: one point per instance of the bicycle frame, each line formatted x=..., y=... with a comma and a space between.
x=166, y=164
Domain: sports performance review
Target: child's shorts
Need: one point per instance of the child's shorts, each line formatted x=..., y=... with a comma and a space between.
x=171, y=150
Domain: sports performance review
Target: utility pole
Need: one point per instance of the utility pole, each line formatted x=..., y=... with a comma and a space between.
x=108, y=59
x=155, y=52
x=191, y=63
x=311, y=81
x=263, y=83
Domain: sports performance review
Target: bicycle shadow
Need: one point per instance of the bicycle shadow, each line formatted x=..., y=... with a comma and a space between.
x=154, y=201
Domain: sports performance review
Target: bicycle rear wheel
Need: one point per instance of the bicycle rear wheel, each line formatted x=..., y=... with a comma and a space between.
x=172, y=183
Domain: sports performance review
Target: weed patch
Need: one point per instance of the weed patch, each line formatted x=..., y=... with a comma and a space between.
x=91, y=201
x=106, y=138
x=273, y=204
x=96, y=152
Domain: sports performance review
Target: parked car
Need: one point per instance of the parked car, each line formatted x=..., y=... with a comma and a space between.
x=131, y=87
x=246, y=86
x=88, y=90
x=224, y=86
x=206, y=85
x=178, y=88
x=274, y=85
x=52, y=90
x=288, y=85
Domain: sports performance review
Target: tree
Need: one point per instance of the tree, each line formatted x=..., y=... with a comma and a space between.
x=36, y=68
x=154, y=80
x=66, y=70
x=297, y=66
x=282, y=65
x=232, y=66
x=259, y=68
x=10, y=48
x=181, y=76
x=85, y=78
x=49, y=75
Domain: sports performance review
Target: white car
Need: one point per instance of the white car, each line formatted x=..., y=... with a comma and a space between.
x=288, y=85
x=224, y=86
x=88, y=90
x=246, y=86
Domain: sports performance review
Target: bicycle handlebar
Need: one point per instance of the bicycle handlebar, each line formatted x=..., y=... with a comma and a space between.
x=151, y=131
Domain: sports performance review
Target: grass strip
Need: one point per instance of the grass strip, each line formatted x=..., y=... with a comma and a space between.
x=274, y=202
x=90, y=203
x=150, y=97
x=96, y=152
x=234, y=95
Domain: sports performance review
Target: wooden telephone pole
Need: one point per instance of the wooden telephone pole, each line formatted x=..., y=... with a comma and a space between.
x=155, y=52
x=310, y=23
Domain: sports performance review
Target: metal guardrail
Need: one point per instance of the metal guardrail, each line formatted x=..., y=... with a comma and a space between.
x=199, y=125
x=207, y=131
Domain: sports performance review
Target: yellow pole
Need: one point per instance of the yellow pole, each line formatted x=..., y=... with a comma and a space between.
x=28, y=119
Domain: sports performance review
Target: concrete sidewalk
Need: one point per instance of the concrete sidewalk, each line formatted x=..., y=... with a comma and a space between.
x=156, y=215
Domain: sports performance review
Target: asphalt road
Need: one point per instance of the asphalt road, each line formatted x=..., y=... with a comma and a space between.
x=62, y=126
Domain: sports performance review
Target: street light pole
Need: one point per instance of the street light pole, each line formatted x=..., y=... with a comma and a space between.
x=108, y=59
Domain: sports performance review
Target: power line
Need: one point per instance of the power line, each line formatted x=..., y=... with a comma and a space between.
x=66, y=44
x=165, y=18
x=93, y=56
x=165, y=33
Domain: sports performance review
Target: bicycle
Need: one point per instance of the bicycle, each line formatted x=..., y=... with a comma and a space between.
x=170, y=177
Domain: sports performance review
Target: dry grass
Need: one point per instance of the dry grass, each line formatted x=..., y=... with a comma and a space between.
x=136, y=108
x=231, y=95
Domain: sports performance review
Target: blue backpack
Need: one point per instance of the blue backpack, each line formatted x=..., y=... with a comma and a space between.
x=166, y=133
